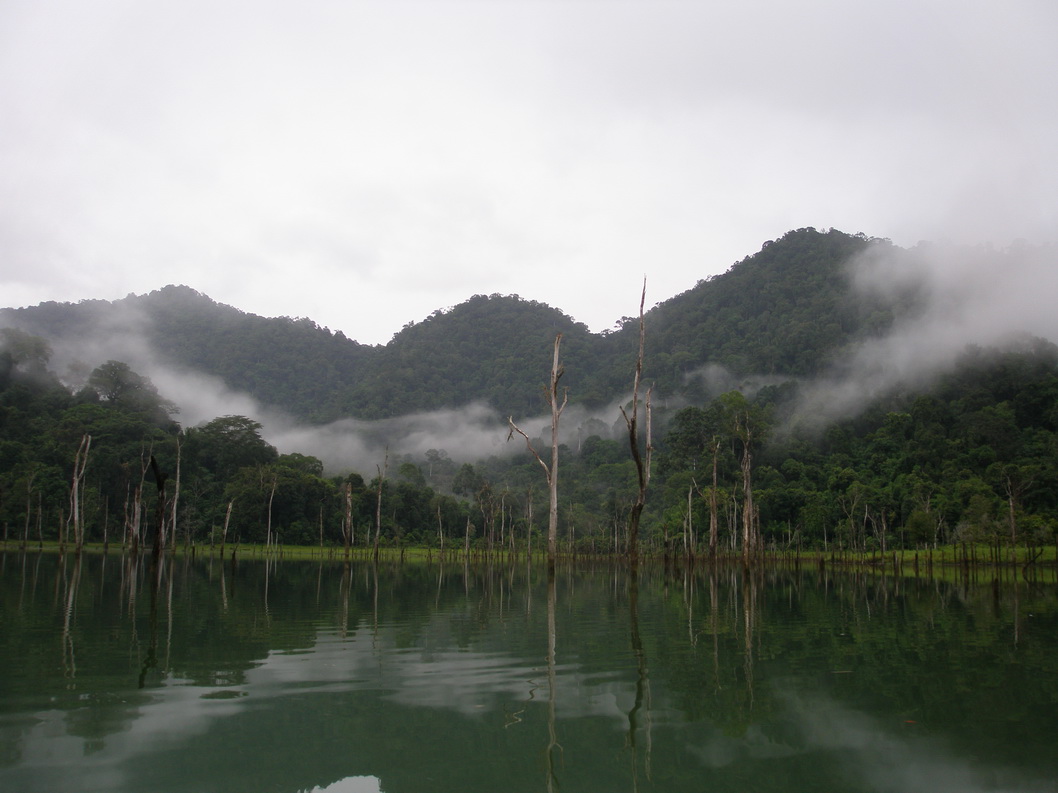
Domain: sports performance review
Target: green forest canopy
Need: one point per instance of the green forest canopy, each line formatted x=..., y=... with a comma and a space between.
x=969, y=458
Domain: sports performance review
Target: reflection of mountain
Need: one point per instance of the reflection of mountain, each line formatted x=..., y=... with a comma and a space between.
x=449, y=682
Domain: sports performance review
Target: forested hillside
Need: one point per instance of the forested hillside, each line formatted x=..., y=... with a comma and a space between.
x=289, y=363
x=968, y=454
x=786, y=310
x=490, y=348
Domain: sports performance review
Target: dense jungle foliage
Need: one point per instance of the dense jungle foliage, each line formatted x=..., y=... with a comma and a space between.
x=972, y=458
x=785, y=311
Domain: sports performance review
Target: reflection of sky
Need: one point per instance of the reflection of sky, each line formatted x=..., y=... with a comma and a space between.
x=351, y=784
x=465, y=681
x=873, y=756
x=468, y=682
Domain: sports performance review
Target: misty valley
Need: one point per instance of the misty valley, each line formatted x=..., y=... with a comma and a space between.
x=803, y=400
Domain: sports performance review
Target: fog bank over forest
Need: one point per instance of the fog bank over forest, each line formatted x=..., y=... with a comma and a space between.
x=958, y=296
x=967, y=296
x=472, y=432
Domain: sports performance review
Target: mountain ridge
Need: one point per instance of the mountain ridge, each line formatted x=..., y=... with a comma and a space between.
x=784, y=311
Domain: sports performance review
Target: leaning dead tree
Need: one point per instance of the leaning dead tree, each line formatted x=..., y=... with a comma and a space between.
x=641, y=458
x=550, y=471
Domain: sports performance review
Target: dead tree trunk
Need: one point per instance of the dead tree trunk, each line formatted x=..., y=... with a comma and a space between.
x=224, y=531
x=80, y=460
x=347, y=526
x=714, y=527
x=1011, y=517
x=749, y=535
x=378, y=500
x=271, y=498
x=550, y=471
x=176, y=497
x=641, y=459
x=159, y=510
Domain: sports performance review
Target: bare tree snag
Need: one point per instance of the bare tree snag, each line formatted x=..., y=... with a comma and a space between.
x=641, y=459
x=714, y=529
x=378, y=499
x=348, y=537
x=176, y=498
x=76, y=519
x=159, y=509
x=749, y=530
x=271, y=498
x=550, y=471
x=224, y=531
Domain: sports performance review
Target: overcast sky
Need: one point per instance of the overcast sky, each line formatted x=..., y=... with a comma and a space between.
x=365, y=163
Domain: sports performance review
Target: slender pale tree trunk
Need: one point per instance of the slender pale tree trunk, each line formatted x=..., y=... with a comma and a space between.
x=550, y=471
x=749, y=539
x=378, y=500
x=76, y=518
x=348, y=529
x=224, y=531
x=176, y=498
x=271, y=497
x=714, y=523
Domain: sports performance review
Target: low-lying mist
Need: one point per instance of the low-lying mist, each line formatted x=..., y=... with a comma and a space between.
x=966, y=297
x=467, y=434
x=963, y=297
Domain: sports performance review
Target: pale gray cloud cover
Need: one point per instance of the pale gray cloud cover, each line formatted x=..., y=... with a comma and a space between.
x=364, y=163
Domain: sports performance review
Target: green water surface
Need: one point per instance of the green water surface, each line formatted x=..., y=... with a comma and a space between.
x=308, y=676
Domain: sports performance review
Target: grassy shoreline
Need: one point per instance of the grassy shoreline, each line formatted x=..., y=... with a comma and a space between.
x=980, y=556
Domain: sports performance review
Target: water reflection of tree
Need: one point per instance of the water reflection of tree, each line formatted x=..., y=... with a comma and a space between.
x=150, y=660
x=552, y=687
x=642, y=696
x=750, y=583
x=767, y=628
x=70, y=585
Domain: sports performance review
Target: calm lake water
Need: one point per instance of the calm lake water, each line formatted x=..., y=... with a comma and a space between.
x=308, y=676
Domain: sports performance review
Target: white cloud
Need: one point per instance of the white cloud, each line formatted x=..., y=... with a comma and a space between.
x=366, y=163
x=967, y=296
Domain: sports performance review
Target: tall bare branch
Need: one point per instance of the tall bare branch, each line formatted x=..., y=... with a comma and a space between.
x=641, y=459
x=550, y=471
